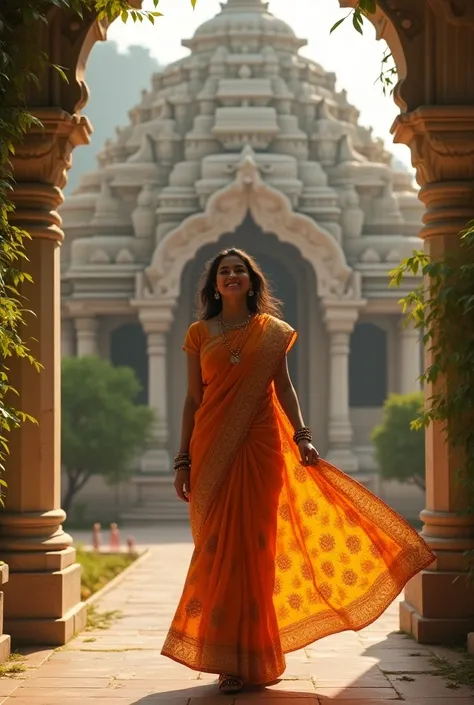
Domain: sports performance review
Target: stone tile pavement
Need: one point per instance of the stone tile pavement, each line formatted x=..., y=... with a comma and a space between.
x=122, y=665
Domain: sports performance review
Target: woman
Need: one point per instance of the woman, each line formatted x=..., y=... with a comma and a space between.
x=288, y=549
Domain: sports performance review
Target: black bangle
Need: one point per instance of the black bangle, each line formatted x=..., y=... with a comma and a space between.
x=303, y=434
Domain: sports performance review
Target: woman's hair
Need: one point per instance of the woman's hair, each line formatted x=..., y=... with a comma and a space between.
x=262, y=301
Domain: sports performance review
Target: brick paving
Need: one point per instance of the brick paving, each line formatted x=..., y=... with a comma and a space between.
x=122, y=665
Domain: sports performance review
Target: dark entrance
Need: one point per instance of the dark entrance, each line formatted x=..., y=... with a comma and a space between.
x=128, y=349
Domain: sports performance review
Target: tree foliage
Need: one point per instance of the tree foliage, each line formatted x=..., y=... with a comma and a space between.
x=103, y=428
x=400, y=448
x=442, y=307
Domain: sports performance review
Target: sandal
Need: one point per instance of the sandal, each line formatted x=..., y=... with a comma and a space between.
x=230, y=684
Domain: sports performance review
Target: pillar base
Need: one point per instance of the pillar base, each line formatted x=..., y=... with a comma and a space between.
x=344, y=459
x=5, y=647
x=433, y=631
x=48, y=632
x=438, y=607
x=43, y=595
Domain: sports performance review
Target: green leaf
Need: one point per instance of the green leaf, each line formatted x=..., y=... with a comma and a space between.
x=61, y=72
x=337, y=24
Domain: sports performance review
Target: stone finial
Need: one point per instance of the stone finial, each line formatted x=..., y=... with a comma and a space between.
x=346, y=151
x=124, y=256
x=146, y=154
x=370, y=256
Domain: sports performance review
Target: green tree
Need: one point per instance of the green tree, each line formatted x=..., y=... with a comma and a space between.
x=399, y=448
x=103, y=428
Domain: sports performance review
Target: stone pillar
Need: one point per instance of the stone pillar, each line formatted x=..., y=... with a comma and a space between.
x=86, y=335
x=42, y=598
x=156, y=322
x=340, y=318
x=439, y=602
x=409, y=369
x=67, y=338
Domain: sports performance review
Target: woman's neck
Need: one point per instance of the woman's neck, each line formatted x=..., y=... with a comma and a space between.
x=234, y=312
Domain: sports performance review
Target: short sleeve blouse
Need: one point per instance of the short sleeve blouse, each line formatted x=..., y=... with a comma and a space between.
x=193, y=340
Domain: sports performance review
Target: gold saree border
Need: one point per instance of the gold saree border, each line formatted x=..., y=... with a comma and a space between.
x=276, y=338
x=359, y=613
x=376, y=511
x=225, y=658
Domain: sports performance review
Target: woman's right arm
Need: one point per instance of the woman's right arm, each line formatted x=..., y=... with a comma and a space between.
x=192, y=403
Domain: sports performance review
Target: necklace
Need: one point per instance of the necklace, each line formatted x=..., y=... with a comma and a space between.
x=234, y=326
x=235, y=354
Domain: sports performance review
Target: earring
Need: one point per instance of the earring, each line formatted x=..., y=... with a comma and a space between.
x=217, y=295
x=250, y=292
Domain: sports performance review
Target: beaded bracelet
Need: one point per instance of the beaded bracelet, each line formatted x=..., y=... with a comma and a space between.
x=182, y=460
x=303, y=434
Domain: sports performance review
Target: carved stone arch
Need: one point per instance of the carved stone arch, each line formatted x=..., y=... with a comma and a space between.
x=272, y=212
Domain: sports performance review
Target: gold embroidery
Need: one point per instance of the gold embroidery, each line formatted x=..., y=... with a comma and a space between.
x=354, y=544
x=275, y=339
x=194, y=609
x=328, y=569
x=349, y=577
x=310, y=508
x=295, y=601
x=284, y=562
x=284, y=512
x=327, y=542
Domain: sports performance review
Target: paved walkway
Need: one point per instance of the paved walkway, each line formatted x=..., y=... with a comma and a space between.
x=122, y=665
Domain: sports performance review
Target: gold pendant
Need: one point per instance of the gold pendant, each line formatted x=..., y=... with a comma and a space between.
x=235, y=359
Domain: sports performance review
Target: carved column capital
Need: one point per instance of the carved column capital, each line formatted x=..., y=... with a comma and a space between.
x=340, y=316
x=155, y=316
x=40, y=165
x=45, y=154
x=441, y=140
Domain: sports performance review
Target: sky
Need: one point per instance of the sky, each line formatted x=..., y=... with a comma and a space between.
x=353, y=58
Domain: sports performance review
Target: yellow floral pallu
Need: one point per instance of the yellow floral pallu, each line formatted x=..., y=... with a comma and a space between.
x=284, y=554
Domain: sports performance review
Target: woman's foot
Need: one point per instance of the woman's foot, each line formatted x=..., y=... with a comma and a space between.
x=230, y=684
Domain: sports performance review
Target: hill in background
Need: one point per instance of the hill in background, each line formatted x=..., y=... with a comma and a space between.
x=115, y=82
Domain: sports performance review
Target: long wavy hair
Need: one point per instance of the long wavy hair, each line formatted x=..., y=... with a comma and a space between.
x=263, y=300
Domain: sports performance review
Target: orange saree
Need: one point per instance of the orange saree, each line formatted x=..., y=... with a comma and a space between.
x=284, y=554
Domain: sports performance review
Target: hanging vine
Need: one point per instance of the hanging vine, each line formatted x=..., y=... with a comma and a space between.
x=442, y=308
x=21, y=68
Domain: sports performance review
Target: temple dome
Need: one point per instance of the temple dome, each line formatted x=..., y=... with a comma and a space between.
x=245, y=21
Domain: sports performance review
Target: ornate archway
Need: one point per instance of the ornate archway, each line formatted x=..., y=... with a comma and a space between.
x=225, y=211
x=440, y=135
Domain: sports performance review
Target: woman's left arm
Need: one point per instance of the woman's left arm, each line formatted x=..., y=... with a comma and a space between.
x=288, y=399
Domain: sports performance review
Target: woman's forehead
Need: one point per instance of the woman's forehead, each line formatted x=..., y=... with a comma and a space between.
x=231, y=260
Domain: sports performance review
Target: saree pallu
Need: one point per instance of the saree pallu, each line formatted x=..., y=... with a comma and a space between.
x=284, y=554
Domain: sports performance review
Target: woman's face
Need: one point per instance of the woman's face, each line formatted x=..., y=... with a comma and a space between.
x=233, y=278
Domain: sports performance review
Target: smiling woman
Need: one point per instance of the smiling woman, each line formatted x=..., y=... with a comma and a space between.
x=288, y=549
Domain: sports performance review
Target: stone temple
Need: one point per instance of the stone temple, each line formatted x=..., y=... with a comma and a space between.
x=245, y=142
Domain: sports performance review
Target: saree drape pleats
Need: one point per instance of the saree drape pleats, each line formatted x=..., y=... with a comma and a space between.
x=284, y=554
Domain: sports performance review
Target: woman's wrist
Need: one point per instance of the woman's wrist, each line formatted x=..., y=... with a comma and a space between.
x=182, y=461
x=302, y=434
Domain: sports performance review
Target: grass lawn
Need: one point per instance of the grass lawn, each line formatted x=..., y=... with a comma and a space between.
x=99, y=568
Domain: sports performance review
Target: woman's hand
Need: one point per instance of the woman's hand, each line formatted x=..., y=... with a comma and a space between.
x=309, y=454
x=182, y=484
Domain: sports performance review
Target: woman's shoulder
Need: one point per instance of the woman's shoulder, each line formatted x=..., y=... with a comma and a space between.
x=278, y=322
x=196, y=326
x=194, y=336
